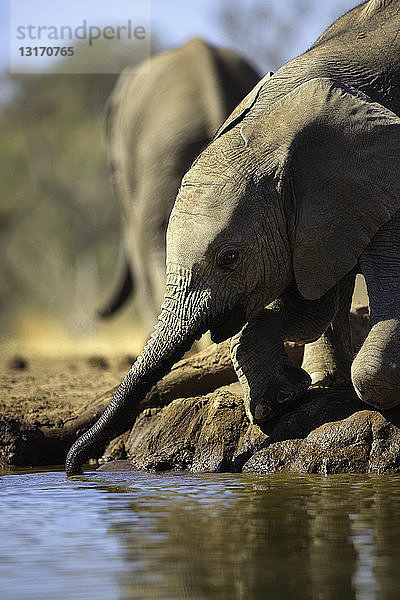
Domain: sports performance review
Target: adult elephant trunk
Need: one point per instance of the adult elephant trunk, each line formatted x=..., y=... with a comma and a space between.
x=183, y=318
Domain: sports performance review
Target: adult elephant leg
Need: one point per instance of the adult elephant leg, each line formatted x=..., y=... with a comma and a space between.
x=376, y=369
x=328, y=359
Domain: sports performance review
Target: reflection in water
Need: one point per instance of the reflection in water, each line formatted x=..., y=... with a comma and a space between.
x=364, y=541
x=147, y=536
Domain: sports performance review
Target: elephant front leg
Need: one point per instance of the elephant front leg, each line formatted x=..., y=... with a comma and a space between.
x=328, y=359
x=270, y=381
x=376, y=369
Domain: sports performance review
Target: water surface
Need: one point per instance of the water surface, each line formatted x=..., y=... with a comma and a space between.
x=110, y=535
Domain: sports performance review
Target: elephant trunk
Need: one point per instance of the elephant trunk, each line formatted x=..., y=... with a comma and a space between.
x=183, y=318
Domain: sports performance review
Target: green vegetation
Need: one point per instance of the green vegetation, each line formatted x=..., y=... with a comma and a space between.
x=59, y=221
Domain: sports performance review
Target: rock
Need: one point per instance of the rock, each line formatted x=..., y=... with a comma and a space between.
x=98, y=362
x=18, y=363
x=116, y=449
x=330, y=431
x=128, y=360
x=20, y=444
x=116, y=465
x=364, y=442
x=206, y=433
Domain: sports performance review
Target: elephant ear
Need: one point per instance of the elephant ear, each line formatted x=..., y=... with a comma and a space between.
x=342, y=171
x=243, y=108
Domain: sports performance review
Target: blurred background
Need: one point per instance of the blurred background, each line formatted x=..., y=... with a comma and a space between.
x=59, y=221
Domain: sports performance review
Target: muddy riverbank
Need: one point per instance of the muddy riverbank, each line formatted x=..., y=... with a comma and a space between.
x=194, y=418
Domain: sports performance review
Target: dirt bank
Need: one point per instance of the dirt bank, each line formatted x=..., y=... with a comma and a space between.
x=47, y=402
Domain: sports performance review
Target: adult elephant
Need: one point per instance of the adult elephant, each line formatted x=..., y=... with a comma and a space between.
x=297, y=192
x=157, y=123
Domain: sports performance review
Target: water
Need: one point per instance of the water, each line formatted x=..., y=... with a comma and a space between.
x=110, y=535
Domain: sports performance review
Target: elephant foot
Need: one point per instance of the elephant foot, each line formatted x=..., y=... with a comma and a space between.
x=281, y=390
x=326, y=366
x=326, y=379
x=375, y=370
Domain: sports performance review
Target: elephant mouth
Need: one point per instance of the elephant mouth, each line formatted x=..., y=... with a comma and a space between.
x=228, y=324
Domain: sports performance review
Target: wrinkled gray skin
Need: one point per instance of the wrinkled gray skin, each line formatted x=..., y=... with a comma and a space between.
x=157, y=123
x=298, y=191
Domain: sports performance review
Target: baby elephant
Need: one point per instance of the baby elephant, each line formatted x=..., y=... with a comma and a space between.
x=298, y=191
x=158, y=121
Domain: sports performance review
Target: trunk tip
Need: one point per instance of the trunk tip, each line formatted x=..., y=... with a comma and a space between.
x=73, y=464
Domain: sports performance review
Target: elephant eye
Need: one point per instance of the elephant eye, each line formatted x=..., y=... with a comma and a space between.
x=227, y=258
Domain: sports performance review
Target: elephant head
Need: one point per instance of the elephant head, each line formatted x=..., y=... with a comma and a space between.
x=291, y=192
